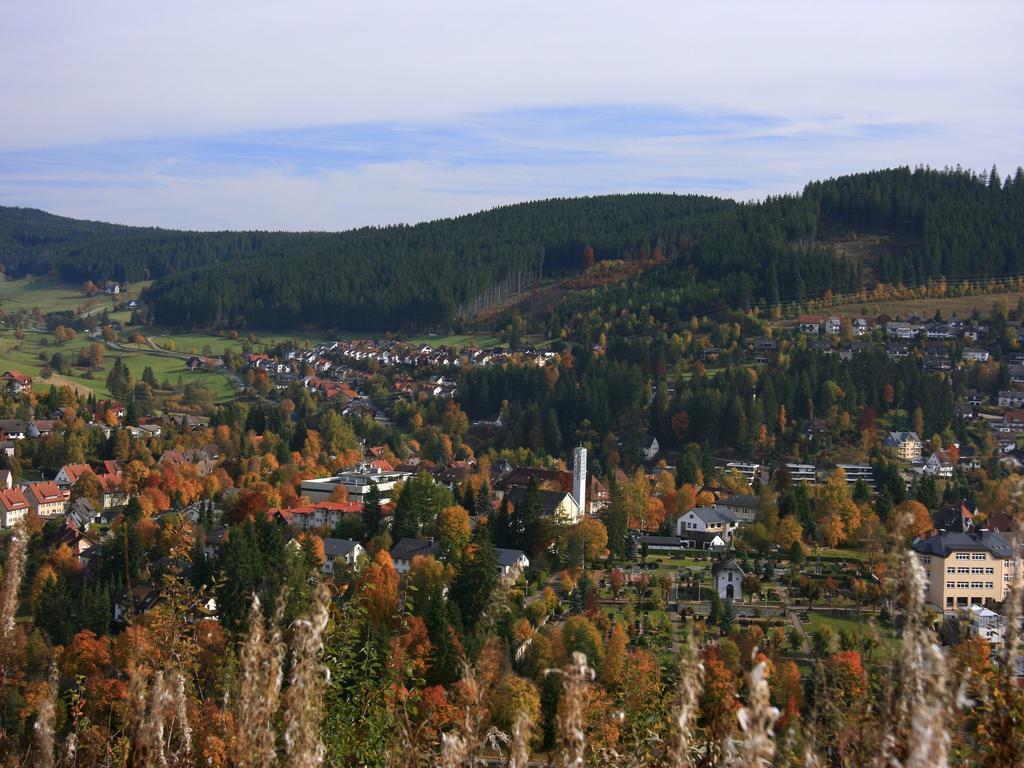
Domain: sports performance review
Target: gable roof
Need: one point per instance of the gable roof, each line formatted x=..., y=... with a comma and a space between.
x=712, y=515
x=13, y=499
x=44, y=492
x=728, y=564
x=407, y=548
x=339, y=547
x=509, y=557
x=549, y=500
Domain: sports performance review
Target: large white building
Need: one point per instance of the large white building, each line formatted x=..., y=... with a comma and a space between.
x=357, y=482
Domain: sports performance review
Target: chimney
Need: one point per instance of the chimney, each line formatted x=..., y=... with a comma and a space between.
x=579, y=478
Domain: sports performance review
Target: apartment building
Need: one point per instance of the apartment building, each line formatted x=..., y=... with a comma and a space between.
x=963, y=569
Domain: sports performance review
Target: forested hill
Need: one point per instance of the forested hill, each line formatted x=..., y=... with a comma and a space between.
x=711, y=252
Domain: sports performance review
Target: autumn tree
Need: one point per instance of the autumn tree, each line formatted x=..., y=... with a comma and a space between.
x=453, y=530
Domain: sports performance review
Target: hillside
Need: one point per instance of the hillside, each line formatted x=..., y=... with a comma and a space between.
x=699, y=254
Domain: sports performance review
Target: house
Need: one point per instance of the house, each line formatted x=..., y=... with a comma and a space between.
x=975, y=355
x=833, y=325
x=13, y=507
x=809, y=324
x=984, y=623
x=406, y=549
x=651, y=449
x=46, y=498
x=77, y=540
x=748, y=469
x=802, y=473
x=954, y=518
x=974, y=568
x=214, y=538
x=136, y=602
x=906, y=445
x=1011, y=398
x=902, y=330
x=341, y=551
x=16, y=382
x=69, y=474
x=855, y=472
x=939, y=464
x=318, y=515
x=13, y=429
x=743, y=506
x=728, y=578
x=559, y=505
x=511, y=563
x=707, y=520
x=80, y=514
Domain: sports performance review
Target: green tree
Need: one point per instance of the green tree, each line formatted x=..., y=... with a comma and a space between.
x=371, y=512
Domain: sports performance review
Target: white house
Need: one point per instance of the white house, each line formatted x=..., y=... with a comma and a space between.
x=13, y=506
x=343, y=552
x=975, y=355
x=406, y=549
x=939, y=464
x=707, y=520
x=511, y=563
x=728, y=577
x=906, y=445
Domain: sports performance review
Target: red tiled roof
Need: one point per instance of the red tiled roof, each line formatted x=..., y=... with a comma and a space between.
x=13, y=499
x=46, y=492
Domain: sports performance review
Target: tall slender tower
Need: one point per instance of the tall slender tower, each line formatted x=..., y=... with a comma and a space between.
x=579, y=478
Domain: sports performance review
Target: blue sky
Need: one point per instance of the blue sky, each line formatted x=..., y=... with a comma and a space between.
x=332, y=115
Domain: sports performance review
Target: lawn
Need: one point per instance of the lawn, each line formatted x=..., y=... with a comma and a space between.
x=961, y=306
x=24, y=355
x=482, y=340
x=49, y=295
x=198, y=343
x=858, y=626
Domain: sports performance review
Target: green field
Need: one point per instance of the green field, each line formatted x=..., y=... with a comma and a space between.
x=29, y=354
x=49, y=295
x=860, y=626
x=482, y=340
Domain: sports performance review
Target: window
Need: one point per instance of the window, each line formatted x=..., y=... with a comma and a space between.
x=963, y=569
x=950, y=584
x=951, y=569
x=963, y=585
x=963, y=555
x=990, y=571
x=989, y=585
x=977, y=585
x=977, y=570
x=978, y=556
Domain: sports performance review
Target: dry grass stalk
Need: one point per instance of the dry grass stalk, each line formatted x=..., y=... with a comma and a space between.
x=691, y=684
x=153, y=713
x=462, y=748
x=44, y=726
x=577, y=676
x=519, y=752
x=923, y=703
x=14, y=571
x=259, y=691
x=307, y=682
x=757, y=719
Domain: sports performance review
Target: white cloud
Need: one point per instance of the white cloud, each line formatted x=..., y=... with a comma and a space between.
x=104, y=71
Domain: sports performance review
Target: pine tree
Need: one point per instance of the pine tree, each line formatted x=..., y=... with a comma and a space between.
x=371, y=512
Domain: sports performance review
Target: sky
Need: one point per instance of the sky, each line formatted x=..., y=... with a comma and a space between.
x=332, y=115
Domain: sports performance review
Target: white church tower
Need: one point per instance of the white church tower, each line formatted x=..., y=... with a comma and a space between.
x=579, y=478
